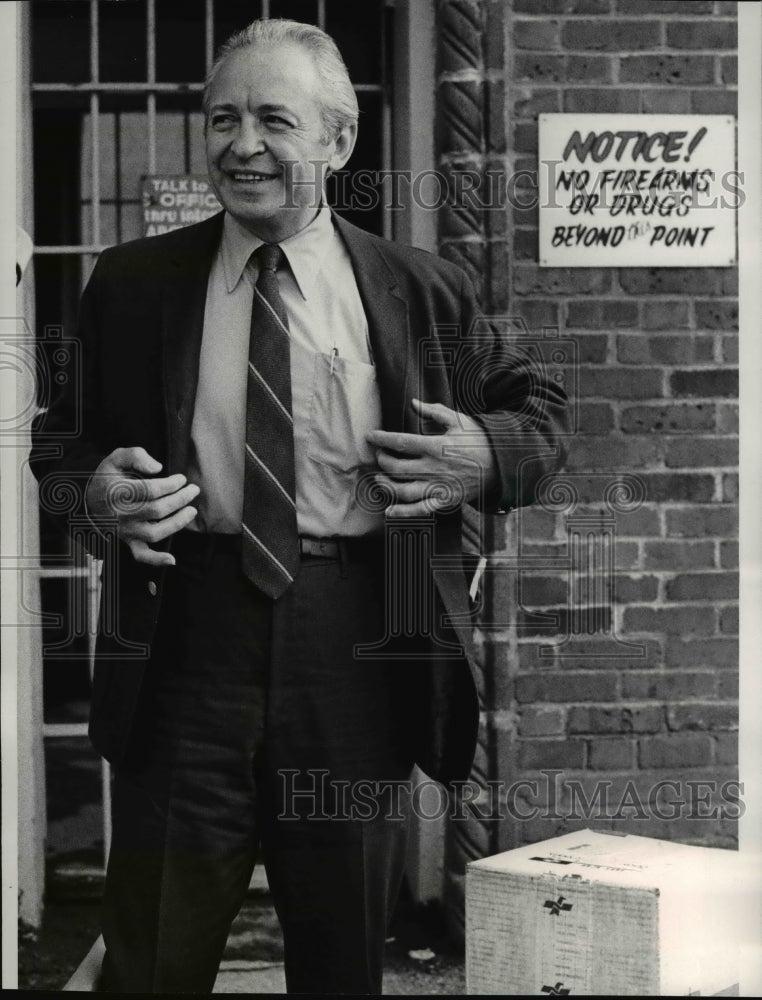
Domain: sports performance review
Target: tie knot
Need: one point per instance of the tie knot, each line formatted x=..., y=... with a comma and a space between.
x=269, y=256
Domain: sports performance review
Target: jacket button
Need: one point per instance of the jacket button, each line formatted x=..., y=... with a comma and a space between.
x=152, y=588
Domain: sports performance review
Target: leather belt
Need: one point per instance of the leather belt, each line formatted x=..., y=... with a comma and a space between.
x=325, y=548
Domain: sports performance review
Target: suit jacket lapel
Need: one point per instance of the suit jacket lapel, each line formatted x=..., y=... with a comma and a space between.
x=182, y=329
x=388, y=321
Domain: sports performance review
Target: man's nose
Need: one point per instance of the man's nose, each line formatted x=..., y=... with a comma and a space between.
x=248, y=141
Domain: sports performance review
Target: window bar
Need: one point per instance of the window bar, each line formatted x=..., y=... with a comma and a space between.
x=129, y=87
x=151, y=98
x=95, y=160
x=120, y=203
x=265, y=8
x=386, y=122
x=209, y=34
x=321, y=14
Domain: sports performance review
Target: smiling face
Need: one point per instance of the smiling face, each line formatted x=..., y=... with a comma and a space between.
x=265, y=139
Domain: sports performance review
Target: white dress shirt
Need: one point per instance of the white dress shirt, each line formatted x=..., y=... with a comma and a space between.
x=335, y=396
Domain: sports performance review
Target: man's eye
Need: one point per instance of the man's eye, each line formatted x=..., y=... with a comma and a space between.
x=221, y=121
x=277, y=121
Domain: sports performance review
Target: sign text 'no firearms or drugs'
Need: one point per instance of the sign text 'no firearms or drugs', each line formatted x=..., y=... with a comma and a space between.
x=638, y=190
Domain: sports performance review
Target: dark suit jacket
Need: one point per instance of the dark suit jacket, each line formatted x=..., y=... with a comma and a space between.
x=140, y=326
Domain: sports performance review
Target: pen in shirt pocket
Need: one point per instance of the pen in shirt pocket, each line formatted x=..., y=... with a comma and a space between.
x=334, y=355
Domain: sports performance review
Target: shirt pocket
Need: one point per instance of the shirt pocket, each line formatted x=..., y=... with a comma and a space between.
x=345, y=406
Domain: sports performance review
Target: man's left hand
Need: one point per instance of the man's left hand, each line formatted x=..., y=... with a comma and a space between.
x=428, y=472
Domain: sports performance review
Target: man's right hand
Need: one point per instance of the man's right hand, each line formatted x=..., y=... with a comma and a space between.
x=147, y=510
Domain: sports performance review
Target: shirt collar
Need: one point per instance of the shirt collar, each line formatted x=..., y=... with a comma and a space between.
x=305, y=251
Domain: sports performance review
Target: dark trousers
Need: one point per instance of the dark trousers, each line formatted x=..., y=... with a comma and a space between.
x=245, y=702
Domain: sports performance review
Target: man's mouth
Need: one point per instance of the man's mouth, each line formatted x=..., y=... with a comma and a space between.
x=250, y=176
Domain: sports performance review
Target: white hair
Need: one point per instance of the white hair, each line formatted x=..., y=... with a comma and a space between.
x=338, y=101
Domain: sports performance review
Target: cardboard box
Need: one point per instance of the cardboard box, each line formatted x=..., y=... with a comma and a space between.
x=607, y=914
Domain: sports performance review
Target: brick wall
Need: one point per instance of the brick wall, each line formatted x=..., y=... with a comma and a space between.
x=657, y=352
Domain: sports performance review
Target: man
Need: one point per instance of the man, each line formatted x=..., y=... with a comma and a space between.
x=255, y=391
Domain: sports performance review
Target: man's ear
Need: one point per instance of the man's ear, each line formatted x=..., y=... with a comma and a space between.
x=344, y=143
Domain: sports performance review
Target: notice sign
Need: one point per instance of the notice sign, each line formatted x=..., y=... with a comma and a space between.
x=637, y=190
x=171, y=201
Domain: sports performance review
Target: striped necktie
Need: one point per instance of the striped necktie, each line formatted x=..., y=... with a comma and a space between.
x=270, y=541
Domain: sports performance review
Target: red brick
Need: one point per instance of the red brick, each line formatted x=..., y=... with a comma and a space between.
x=597, y=418
x=727, y=685
x=700, y=452
x=678, y=751
x=542, y=721
x=661, y=101
x=671, y=281
x=526, y=215
x=592, y=348
x=621, y=383
x=627, y=719
x=668, y=685
x=601, y=315
x=552, y=622
x=727, y=420
x=703, y=587
x=679, y=555
x=705, y=382
x=730, y=488
x=636, y=349
x=703, y=715
x=684, y=70
x=589, y=69
x=729, y=69
x=730, y=349
x=728, y=555
x=567, y=687
x=528, y=104
x=589, y=6
x=695, y=486
x=612, y=754
x=726, y=748
x=531, y=280
x=615, y=36
x=537, y=313
x=717, y=315
x=611, y=453
x=628, y=589
x=729, y=621
x=535, y=523
x=671, y=350
x=726, y=8
x=643, y=522
x=587, y=655
x=525, y=137
x=651, y=7
x=525, y=244
x=714, y=102
x=538, y=35
x=706, y=652
x=494, y=37
x=600, y=100
x=666, y=315
x=626, y=555
x=544, y=590
x=700, y=522
x=686, y=418
x=672, y=621
x=561, y=6
x=702, y=35
x=540, y=754
x=538, y=66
